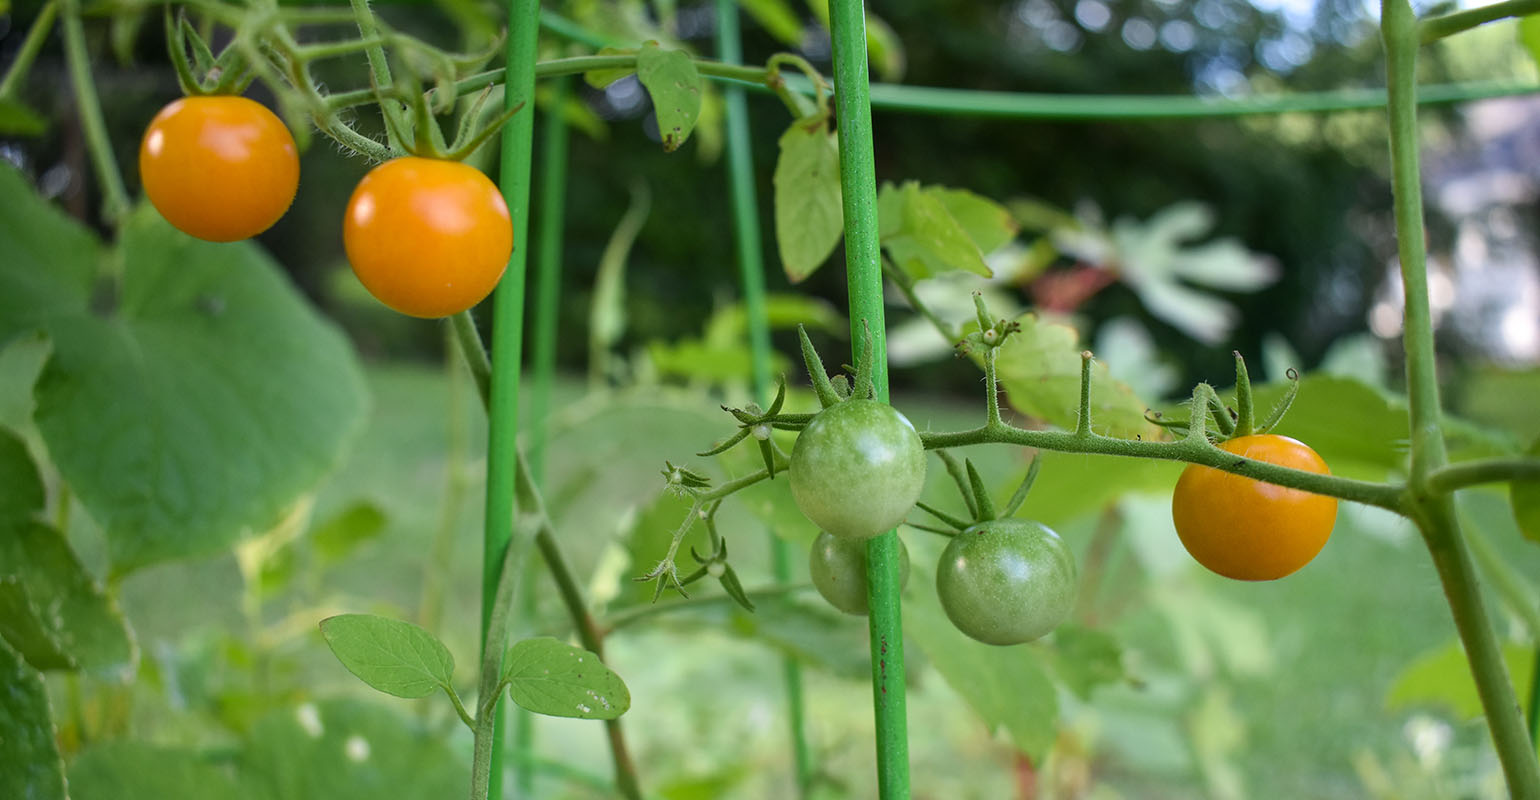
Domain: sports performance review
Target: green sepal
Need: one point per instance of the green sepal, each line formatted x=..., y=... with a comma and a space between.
x=986, y=506
x=1282, y=406
x=1020, y=495
x=734, y=587
x=822, y=386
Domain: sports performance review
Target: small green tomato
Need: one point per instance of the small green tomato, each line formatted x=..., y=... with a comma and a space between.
x=1006, y=581
x=857, y=469
x=838, y=567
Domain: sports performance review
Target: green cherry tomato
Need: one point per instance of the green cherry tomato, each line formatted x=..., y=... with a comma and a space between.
x=1006, y=581
x=857, y=469
x=838, y=567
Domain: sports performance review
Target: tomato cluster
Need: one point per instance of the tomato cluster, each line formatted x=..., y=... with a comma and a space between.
x=427, y=237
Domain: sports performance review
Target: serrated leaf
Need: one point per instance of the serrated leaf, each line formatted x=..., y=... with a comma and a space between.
x=19, y=120
x=1441, y=677
x=21, y=488
x=1005, y=686
x=336, y=538
x=80, y=618
x=194, y=405
x=30, y=766
x=22, y=625
x=925, y=239
x=1525, y=496
x=809, y=219
x=1039, y=367
x=348, y=750
x=600, y=78
x=549, y=676
x=391, y=655
x=673, y=82
x=127, y=770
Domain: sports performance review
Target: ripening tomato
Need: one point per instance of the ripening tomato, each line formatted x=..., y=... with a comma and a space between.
x=427, y=237
x=857, y=469
x=219, y=167
x=1246, y=529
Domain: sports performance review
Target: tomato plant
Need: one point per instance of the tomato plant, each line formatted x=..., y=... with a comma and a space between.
x=857, y=469
x=427, y=237
x=219, y=167
x=838, y=568
x=1006, y=581
x=1247, y=529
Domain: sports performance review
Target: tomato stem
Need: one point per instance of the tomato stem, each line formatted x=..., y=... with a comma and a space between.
x=37, y=35
x=115, y=202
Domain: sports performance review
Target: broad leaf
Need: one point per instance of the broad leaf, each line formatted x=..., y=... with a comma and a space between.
x=30, y=766
x=1039, y=367
x=21, y=488
x=22, y=625
x=1083, y=658
x=809, y=219
x=1006, y=686
x=551, y=677
x=390, y=655
x=197, y=402
x=671, y=79
x=78, y=616
x=18, y=120
x=1525, y=496
x=337, y=537
x=1442, y=678
x=349, y=750
x=922, y=237
x=600, y=78
x=127, y=770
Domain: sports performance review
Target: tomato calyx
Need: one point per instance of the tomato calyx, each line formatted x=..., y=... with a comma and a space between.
x=991, y=333
x=761, y=423
x=205, y=73
x=1221, y=422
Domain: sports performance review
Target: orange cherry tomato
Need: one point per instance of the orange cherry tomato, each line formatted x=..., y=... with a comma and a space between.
x=220, y=168
x=427, y=237
x=1250, y=530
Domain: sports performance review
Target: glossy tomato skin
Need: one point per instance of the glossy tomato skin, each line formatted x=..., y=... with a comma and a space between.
x=427, y=237
x=838, y=568
x=1006, y=581
x=857, y=469
x=219, y=167
x=1246, y=529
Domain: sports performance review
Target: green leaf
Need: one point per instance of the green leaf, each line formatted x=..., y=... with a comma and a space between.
x=22, y=625
x=729, y=325
x=1084, y=658
x=777, y=18
x=809, y=219
x=551, y=677
x=600, y=78
x=671, y=79
x=1525, y=496
x=349, y=750
x=1040, y=370
x=86, y=625
x=1529, y=35
x=21, y=488
x=884, y=49
x=989, y=224
x=198, y=402
x=1005, y=686
x=21, y=361
x=17, y=119
x=128, y=770
x=1441, y=677
x=816, y=635
x=30, y=766
x=390, y=655
x=922, y=237
x=336, y=538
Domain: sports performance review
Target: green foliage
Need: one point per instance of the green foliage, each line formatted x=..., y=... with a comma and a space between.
x=30, y=766
x=551, y=677
x=85, y=624
x=674, y=84
x=128, y=770
x=809, y=219
x=1526, y=502
x=931, y=230
x=1039, y=367
x=23, y=494
x=338, y=537
x=17, y=119
x=1441, y=678
x=199, y=400
x=390, y=655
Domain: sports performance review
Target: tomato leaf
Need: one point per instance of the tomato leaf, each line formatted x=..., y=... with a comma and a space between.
x=337, y=537
x=923, y=238
x=1441, y=677
x=600, y=78
x=390, y=655
x=78, y=617
x=30, y=765
x=21, y=488
x=1040, y=370
x=1525, y=496
x=19, y=120
x=127, y=770
x=22, y=625
x=1006, y=686
x=198, y=402
x=1084, y=658
x=809, y=219
x=551, y=677
x=671, y=79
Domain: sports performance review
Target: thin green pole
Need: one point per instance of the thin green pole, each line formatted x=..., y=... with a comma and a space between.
x=863, y=275
x=508, y=328
x=548, y=252
x=740, y=174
